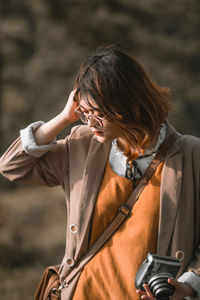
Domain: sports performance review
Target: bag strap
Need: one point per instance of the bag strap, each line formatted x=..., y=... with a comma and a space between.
x=124, y=210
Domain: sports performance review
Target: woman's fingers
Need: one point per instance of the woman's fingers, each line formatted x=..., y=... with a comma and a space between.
x=69, y=109
x=147, y=294
x=147, y=290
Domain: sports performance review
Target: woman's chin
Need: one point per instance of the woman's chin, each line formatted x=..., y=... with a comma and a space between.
x=101, y=138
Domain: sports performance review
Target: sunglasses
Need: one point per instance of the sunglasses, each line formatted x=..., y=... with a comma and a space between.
x=95, y=121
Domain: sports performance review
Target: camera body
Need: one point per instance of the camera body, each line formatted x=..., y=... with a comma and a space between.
x=155, y=271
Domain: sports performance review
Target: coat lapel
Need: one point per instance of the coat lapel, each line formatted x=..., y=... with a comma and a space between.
x=92, y=177
x=170, y=195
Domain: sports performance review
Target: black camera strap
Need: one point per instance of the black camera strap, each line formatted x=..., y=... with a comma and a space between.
x=124, y=210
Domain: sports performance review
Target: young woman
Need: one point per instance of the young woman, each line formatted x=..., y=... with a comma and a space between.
x=100, y=164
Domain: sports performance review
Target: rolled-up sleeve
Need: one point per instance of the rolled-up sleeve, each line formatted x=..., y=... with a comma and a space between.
x=26, y=162
x=28, y=141
x=193, y=281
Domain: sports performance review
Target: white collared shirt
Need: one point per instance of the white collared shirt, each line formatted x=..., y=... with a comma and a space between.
x=118, y=160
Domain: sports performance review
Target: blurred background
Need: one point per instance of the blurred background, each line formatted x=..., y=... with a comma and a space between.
x=42, y=44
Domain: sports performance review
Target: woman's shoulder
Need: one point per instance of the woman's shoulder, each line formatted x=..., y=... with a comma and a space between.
x=187, y=145
x=81, y=131
x=190, y=141
x=190, y=147
x=185, y=141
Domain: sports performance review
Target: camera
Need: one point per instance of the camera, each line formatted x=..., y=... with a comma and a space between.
x=155, y=271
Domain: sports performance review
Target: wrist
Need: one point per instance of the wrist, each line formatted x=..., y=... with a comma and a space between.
x=187, y=290
x=63, y=120
x=192, y=280
x=66, y=119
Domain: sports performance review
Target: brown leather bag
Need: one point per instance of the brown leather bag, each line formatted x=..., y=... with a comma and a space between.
x=49, y=283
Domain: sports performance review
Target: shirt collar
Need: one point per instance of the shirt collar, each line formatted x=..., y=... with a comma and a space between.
x=147, y=152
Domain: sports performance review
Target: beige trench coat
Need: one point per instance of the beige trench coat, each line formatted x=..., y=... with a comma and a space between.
x=77, y=164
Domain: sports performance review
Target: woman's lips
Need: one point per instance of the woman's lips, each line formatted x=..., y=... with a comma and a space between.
x=97, y=132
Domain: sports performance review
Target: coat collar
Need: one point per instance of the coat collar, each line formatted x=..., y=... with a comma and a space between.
x=94, y=170
x=169, y=194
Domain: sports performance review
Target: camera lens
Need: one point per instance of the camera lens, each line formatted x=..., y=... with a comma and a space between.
x=159, y=286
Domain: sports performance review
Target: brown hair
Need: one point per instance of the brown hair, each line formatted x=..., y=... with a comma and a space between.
x=125, y=94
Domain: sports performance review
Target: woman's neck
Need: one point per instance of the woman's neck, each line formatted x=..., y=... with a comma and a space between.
x=121, y=144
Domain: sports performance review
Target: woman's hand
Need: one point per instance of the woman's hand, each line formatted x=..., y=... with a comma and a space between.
x=181, y=291
x=48, y=131
x=68, y=112
x=147, y=294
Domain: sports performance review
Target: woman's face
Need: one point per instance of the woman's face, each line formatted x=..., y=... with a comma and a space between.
x=109, y=131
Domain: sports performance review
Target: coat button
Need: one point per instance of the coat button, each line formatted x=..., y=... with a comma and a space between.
x=180, y=255
x=73, y=228
x=70, y=262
